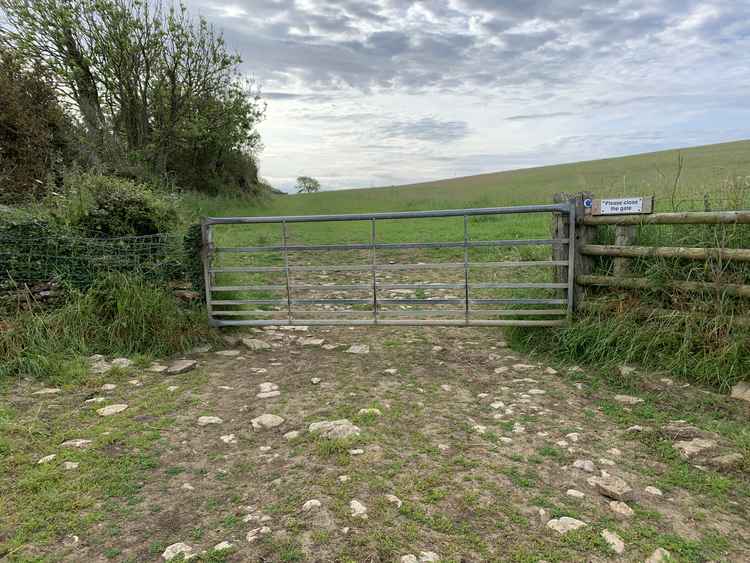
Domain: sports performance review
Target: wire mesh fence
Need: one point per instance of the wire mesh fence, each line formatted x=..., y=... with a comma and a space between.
x=28, y=260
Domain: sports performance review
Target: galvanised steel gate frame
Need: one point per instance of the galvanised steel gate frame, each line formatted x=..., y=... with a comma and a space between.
x=217, y=316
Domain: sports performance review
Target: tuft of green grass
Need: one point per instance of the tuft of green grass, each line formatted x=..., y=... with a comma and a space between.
x=121, y=314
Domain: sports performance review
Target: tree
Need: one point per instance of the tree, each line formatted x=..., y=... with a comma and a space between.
x=306, y=184
x=33, y=128
x=152, y=86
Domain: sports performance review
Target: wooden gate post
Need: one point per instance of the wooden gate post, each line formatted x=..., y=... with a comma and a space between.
x=584, y=234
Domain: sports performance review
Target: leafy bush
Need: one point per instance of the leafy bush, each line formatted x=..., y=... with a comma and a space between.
x=121, y=314
x=192, y=245
x=120, y=208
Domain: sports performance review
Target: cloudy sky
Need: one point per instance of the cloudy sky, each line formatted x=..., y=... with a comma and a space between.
x=377, y=92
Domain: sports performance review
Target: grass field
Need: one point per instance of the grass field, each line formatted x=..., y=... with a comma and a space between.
x=714, y=177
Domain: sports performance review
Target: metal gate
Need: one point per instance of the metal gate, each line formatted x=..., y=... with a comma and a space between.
x=235, y=297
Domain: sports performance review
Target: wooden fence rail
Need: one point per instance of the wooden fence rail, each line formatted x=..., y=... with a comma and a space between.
x=682, y=218
x=737, y=254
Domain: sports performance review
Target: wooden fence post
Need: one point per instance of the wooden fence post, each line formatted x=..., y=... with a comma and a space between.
x=624, y=236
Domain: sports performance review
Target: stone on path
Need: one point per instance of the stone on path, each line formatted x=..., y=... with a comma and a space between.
x=628, y=399
x=70, y=465
x=311, y=504
x=585, y=465
x=691, y=448
x=267, y=421
x=393, y=499
x=95, y=400
x=292, y=435
x=228, y=439
x=334, y=428
x=565, y=524
x=109, y=410
x=228, y=353
x=659, y=555
x=409, y=558
x=358, y=349
x=574, y=493
x=121, y=363
x=619, y=507
x=390, y=371
x=680, y=430
x=550, y=371
x=223, y=546
x=373, y=411
x=181, y=366
x=206, y=420
x=356, y=451
x=109, y=387
x=479, y=428
x=177, y=549
x=256, y=345
x=614, y=541
x=157, y=368
x=611, y=487
x=47, y=391
x=76, y=443
x=46, y=459
x=428, y=557
x=728, y=461
x=268, y=390
x=315, y=380
x=654, y=491
x=359, y=510
x=253, y=535
x=311, y=341
x=201, y=349
x=741, y=391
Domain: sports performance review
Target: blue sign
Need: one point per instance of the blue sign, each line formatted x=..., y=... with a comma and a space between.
x=588, y=202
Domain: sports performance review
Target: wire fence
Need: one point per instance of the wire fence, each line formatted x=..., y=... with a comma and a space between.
x=78, y=261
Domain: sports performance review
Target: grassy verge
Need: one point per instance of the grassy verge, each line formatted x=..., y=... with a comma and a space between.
x=710, y=351
x=120, y=315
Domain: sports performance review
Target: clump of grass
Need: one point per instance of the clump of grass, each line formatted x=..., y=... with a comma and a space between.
x=120, y=314
x=712, y=351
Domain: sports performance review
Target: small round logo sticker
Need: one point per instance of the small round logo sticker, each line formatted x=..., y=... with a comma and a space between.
x=588, y=202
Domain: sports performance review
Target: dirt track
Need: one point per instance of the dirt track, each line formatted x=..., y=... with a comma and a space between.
x=478, y=446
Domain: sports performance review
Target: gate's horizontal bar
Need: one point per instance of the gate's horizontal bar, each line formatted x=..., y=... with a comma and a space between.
x=529, y=285
x=293, y=302
x=248, y=302
x=249, y=288
x=482, y=312
x=393, y=322
x=386, y=246
x=252, y=313
x=387, y=286
x=518, y=301
x=302, y=287
x=390, y=267
x=558, y=207
x=400, y=312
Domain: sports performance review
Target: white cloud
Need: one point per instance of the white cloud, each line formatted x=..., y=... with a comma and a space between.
x=365, y=92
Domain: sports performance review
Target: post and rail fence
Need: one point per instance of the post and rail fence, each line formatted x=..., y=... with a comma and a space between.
x=625, y=249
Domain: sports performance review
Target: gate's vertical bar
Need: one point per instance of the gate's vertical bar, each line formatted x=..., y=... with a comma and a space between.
x=206, y=254
x=284, y=243
x=374, y=274
x=571, y=257
x=466, y=268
